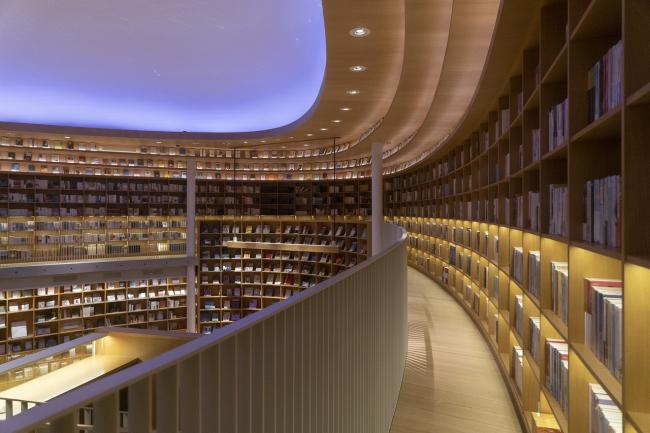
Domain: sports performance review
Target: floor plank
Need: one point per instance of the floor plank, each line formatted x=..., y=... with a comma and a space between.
x=451, y=383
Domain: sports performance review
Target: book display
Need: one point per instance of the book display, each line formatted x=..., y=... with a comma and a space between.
x=66, y=157
x=33, y=319
x=249, y=263
x=560, y=188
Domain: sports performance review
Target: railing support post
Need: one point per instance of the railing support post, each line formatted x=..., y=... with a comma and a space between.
x=377, y=196
x=190, y=248
x=106, y=414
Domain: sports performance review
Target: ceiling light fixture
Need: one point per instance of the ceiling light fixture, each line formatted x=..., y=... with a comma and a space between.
x=158, y=142
x=323, y=129
x=309, y=135
x=306, y=144
x=67, y=138
x=353, y=92
x=360, y=32
x=357, y=68
x=336, y=121
x=346, y=108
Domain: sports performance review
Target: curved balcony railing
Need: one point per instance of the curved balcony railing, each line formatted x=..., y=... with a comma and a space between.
x=329, y=359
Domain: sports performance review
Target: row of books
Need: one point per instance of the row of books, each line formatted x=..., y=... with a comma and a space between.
x=557, y=371
x=602, y=211
x=560, y=290
x=604, y=415
x=534, y=271
x=517, y=265
x=558, y=125
x=603, y=306
x=604, y=89
x=558, y=208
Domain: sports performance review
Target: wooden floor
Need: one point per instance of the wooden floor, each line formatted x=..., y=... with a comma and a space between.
x=451, y=383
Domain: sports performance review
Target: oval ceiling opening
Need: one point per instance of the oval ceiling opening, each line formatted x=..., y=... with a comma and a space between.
x=161, y=65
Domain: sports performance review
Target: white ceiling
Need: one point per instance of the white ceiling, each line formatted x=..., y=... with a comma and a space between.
x=161, y=65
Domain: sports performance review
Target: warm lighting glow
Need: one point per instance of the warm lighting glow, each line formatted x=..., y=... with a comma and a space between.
x=357, y=68
x=353, y=92
x=360, y=32
x=346, y=108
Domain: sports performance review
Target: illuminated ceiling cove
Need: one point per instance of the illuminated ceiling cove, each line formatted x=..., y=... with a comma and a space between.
x=161, y=65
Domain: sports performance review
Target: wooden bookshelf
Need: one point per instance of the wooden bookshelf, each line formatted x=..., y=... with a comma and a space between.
x=34, y=319
x=248, y=263
x=44, y=155
x=519, y=179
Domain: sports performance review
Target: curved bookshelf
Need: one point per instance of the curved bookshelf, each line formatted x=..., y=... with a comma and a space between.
x=537, y=221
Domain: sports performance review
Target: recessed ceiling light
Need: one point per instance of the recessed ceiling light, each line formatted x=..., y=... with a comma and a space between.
x=353, y=92
x=67, y=138
x=323, y=129
x=245, y=142
x=290, y=137
x=336, y=121
x=309, y=135
x=158, y=142
x=346, y=108
x=306, y=144
x=284, y=147
x=357, y=68
x=359, y=32
x=262, y=141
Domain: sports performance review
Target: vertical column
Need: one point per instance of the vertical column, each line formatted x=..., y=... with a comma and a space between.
x=377, y=196
x=191, y=245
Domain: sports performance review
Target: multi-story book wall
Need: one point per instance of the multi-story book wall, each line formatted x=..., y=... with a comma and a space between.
x=53, y=217
x=33, y=319
x=249, y=263
x=343, y=197
x=54, y=156
x=46, y=217
x=561, y=188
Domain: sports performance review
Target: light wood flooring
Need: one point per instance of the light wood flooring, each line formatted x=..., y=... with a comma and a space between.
x=452, y=383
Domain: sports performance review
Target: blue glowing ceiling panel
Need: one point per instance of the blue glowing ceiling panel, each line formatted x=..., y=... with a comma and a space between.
x=161, y=65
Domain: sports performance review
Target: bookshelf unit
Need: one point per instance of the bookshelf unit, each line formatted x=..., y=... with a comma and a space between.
x=34, y=319
x=249, y=263
x=537, y=221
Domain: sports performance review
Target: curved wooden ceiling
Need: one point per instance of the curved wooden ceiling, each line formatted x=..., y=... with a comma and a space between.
x=423, y=59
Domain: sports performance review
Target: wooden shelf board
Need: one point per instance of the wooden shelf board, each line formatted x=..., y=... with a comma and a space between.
x=643, y=261
x=614, y=253
x=533, y=99
x=601, y=17
x=640, y=97
x=557, y=323
x=606, y=126
x=273, y=246
x=556, y=409
x=600, y=372
x=557, y=72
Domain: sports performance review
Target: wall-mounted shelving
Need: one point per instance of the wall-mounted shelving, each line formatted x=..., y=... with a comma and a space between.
x=249, y=263
x=537, y=222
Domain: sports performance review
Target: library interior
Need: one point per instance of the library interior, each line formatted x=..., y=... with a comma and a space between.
x=385, y=216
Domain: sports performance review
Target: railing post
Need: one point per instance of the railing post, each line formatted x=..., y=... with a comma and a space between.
x=65, y=424
x=190, y=249
x=167, y=401
x=377, y=197
x=189, y=388
x=139, y=417
x=106, y=414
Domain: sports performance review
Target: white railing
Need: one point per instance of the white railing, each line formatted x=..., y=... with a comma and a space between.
x=329, y=359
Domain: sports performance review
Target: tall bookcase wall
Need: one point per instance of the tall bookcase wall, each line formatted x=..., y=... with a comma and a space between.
x=67, y=157
x=537, y=221
x=33, y=319
x=45, y=217
x=249, y=263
